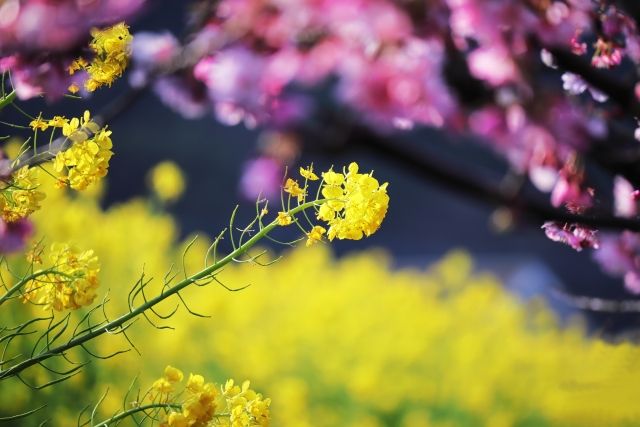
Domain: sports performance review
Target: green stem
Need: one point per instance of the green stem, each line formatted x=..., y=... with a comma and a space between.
x=23, y=282
x=8, y=99
x=132, y=411
x=120, y=321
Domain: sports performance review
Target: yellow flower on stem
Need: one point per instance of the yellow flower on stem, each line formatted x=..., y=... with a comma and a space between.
x=308, y=173
x=21, y=197
x=87, y=160
x=356, y=204
x=292, y=187
x=165, y=384
x=72, y=282
x=315, y=235
x=39, y=124
x=284, y=218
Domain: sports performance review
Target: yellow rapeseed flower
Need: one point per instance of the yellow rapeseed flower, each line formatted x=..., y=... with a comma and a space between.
x=284, y=218
x=111, y=57
x=72, y=283
x=73, y=88
x=57, y=121
x=39, y=124
x=315, y=235
x=166, y=383
x=308, y=173
x=21, y=197
x=167, y=181
x=292, y=187
x=87, y=160
x=111, y=48
x=356, y=204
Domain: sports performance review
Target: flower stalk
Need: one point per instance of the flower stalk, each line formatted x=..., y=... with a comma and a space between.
x=121, y=321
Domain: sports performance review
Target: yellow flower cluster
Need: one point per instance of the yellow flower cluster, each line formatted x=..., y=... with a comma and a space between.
x=111, y=56
x=86, y=157
x=239, y=406
x=166, y=383
x=167, y=181
x=72, y=282
x=245, y=406
x=87, y=160
x=20, y=197
x=199, y=406
x=76, y=129
x=356, y=204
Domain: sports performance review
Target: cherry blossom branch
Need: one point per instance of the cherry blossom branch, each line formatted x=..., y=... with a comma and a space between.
x=437, y=171
x=604, y=80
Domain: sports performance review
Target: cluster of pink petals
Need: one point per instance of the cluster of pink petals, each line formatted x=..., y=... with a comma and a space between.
x=619, y=255
x=577, y=236
x=384, y=72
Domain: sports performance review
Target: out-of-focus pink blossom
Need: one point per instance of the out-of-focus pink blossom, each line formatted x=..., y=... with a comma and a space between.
x=151, y=52
x=13, y=235
x=544, y=178
x=568, y=191
x=625, y=198
x=31, y=78
x=401, y=86
x=632, y=282
x=547, y=59
x=493, y=65
x=606, y=55
x=578, y=47
x=183, y=95
x=244, y=84
x=261, y=177
x=619, y=256
x=577, y=236
x=573, y=83
x=57, y=26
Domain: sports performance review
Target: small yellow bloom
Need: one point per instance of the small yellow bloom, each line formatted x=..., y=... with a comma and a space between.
x=284, y=218
x=333, y=178
x=172, y=374
x=167, y=181
x=308, y=173
x=292, y=187
x=58, y=121
x=78, y=64
x=39, y=124
x=162, y=386
x=73, y=88
x=70, y=126
x=315, y=235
